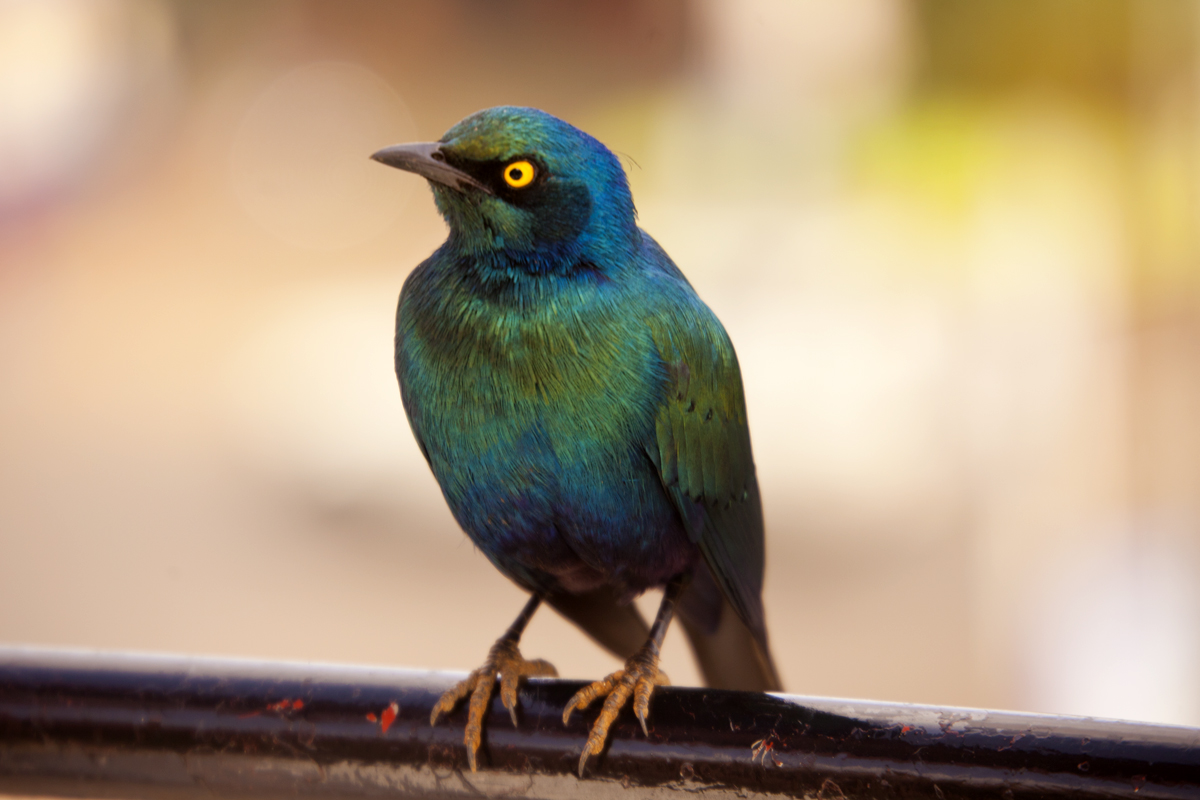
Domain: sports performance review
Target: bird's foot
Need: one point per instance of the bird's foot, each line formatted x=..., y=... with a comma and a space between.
x=505, y=664
x=640, y=676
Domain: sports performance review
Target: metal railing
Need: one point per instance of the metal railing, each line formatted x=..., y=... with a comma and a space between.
x=76, y=724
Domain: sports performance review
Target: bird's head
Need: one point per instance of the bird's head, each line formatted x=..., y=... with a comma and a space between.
x=522, y=189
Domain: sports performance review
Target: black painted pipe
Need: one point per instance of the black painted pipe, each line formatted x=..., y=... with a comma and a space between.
x=135, y=726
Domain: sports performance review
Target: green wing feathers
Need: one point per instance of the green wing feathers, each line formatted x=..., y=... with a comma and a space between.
x=703, y=453
x=703, y=436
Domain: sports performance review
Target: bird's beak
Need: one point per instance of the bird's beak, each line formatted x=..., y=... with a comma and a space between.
x=427, y=160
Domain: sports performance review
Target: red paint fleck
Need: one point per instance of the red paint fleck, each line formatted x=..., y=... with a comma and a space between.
x=286, y=704
x=389, y=716
x=372, y=718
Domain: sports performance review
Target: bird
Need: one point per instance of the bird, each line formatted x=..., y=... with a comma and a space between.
x=583, y=413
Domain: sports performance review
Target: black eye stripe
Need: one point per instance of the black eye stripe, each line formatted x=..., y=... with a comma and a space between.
x=492, y=173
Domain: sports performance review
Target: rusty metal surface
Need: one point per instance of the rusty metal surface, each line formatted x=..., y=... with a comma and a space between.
x=135, y=726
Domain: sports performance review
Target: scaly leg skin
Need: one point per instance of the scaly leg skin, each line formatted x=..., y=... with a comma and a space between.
x=504, y=663
x=640, y=676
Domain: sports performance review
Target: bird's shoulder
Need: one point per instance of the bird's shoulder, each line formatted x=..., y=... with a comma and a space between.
x=678, y=319
x=702, y=445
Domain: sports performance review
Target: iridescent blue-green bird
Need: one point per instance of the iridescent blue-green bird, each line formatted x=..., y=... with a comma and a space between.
x=582, y=411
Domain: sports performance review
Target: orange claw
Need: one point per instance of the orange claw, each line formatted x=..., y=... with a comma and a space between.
x=640, y=676
x=504, y=663
x=584, y=697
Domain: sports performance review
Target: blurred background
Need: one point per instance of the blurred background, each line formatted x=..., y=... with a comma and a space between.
x=957, y=245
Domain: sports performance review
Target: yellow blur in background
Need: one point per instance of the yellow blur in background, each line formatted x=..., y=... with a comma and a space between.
x=957, y=245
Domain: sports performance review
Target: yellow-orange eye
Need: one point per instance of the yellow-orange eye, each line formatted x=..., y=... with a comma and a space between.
x=519, y=174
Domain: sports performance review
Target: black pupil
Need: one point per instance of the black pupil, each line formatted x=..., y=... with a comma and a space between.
x=515, y=173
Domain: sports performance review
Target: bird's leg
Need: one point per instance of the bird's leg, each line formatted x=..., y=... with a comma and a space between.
x=640, y=676
x=504, y=663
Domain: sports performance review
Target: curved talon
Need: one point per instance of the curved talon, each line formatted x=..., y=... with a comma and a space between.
x=640, y=676
x=508, y=694
x=505, y=664
x=449, y=699
x=641, y=697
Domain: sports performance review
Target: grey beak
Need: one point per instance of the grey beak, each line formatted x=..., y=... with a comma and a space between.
x=427, y=160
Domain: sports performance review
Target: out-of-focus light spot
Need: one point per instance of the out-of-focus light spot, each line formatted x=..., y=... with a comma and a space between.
x=300, y=162
x=68, y=72
x=1112, y=630
x=772, y=56
x=310, y=402
x=936, y=153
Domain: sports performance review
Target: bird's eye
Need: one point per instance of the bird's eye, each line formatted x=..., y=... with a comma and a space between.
x=519, y=174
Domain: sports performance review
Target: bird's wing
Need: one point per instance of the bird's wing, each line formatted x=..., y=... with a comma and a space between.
x=702, y=450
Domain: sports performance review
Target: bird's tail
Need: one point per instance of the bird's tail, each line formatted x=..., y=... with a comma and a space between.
x=617, y=627
x=731, y=656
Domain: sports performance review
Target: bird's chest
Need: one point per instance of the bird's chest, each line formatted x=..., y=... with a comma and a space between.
x=526, y=415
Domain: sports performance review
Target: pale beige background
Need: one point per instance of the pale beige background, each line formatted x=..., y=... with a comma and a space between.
x=954, y=243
